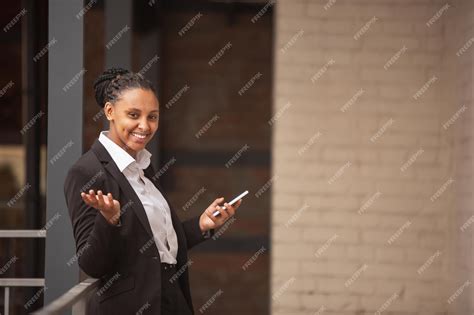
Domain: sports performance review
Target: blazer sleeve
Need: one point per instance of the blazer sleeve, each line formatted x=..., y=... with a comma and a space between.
x=96, y=239
x=193, y=232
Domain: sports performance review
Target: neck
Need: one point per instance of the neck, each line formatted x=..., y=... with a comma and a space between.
x=111, y=135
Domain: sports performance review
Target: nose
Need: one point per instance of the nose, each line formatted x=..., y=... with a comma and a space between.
x=143, y=126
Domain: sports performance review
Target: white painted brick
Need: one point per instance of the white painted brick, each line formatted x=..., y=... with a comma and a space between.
x=286, y=234
x=332, y=302
x=305, y=285
x=331, y=285
x=338, y=26
x=285, y=267
x=287, y=299
x=390, y=255
x=287, y=200
x=375, y=303
x=364, y=287
x=398, y=27
x=321, y=235
x=328, y=268
x=292, y=251
x=359, y=252
x=386, y=288
x=328, y=34
x=333, y=202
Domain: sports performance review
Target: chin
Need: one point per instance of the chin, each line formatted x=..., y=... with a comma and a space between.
x=136, y=146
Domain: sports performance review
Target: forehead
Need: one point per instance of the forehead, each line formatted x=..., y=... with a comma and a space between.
x=138, y=99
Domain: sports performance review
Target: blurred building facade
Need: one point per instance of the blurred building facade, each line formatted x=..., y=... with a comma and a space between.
x=350, y=123
x=213, y=138
x=372, y=205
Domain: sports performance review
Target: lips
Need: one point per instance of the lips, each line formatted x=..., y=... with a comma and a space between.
x=139, y=136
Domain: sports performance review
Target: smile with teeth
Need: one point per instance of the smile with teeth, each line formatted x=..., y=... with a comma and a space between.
x=139, y=135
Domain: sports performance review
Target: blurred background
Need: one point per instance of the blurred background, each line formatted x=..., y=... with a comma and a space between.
x=349, y=122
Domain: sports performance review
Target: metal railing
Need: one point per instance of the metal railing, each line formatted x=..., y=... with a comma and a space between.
x=7, y=283
x=75, y=298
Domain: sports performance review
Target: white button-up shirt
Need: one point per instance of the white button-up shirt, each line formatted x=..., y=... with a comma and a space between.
x=156, y=207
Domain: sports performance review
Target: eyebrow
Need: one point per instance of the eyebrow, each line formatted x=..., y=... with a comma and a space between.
x=155, y=110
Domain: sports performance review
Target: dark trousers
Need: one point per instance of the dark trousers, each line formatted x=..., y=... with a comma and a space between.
x=172, y=298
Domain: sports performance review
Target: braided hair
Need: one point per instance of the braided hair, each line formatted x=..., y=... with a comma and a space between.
x=112, y=82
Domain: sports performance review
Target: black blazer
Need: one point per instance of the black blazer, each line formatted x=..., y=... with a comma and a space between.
x=124, y=258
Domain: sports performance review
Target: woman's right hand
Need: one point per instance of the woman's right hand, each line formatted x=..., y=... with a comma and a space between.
x=107, y=205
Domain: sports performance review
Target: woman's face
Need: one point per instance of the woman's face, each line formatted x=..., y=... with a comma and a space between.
x=133, y=119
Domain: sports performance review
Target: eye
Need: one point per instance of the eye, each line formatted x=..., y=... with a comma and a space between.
x=154, y=117
x=133, y=115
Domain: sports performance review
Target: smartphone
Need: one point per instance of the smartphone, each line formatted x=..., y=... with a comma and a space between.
x=216, y=213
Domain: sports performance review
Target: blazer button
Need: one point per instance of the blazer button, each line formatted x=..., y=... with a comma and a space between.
x=155, y=257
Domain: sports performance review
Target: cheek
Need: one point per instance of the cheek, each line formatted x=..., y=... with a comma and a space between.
x=128, y=126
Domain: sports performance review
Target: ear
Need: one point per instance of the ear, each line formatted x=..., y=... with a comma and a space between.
x=109, y=110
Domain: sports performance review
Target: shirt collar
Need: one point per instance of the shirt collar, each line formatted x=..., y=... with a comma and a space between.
x=121, y=157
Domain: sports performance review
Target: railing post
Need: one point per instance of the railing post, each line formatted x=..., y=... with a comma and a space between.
x=65, y=111
x=7, y=300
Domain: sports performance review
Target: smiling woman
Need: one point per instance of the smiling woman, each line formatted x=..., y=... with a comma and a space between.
x=131, y=106
x=136, y=253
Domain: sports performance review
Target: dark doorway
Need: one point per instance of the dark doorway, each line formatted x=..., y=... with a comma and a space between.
x=215, y=102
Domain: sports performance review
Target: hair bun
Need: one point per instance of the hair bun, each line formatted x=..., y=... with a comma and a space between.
x=101, y=83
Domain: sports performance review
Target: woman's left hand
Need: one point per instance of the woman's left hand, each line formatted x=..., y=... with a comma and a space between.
x=207, y=221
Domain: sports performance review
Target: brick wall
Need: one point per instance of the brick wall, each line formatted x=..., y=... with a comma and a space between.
x=226, y=122
x=366, y=207
x=459, y=65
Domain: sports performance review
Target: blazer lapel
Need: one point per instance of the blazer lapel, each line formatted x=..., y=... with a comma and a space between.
x=127, y=189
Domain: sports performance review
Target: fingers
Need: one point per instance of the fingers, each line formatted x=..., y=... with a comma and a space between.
x=230, y=210
x=213, y=207
x=224, y=212
x=98, y=201
x=234, y=206
x=89, y=198
x=217, y=202
x=110, y=200
x=223, y=216
x=210, y=211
